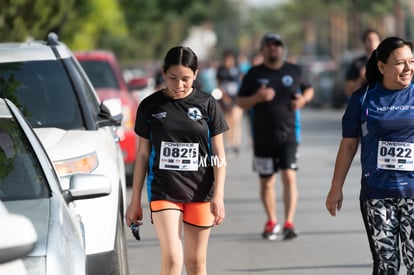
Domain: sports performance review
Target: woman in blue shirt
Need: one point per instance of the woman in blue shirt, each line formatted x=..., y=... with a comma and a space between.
x=380, y=116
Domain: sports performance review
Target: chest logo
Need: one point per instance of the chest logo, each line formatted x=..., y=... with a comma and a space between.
x=194, y=113
x=160, y=115
x=263, y=81
x=287, y=80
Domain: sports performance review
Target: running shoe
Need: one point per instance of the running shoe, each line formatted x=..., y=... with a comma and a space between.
x=289, y=233
x=271, y=230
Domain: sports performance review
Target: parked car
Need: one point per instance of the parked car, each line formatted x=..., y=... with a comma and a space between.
x=13, y=249
x=141, y=87
x=140, y=81
x=30, y=186
x=49, y=86
x=104, y=71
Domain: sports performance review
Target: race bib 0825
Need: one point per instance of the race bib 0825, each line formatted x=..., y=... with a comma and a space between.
x=180, y=156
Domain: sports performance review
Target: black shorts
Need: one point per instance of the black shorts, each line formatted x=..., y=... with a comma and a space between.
x=269, y=159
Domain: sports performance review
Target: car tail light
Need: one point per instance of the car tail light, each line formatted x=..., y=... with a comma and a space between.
x=127, y=117
x=82, y=164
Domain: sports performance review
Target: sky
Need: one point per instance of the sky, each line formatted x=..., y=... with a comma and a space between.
x=261, y=3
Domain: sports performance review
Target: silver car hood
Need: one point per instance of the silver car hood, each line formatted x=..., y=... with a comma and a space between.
x=38, y=212
x=62, y=144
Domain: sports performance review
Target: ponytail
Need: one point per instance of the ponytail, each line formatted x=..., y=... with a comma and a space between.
x=372, y=73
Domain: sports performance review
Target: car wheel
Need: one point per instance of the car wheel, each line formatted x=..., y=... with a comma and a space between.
x=121, y=263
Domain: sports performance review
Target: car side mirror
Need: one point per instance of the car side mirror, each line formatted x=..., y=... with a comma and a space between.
x=111, y=110
x=87, y=186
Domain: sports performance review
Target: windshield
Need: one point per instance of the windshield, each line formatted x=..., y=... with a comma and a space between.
x=100, y=73
x=21, y=176
x=43, y=93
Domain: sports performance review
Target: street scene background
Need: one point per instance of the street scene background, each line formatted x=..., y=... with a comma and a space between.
x=321, y=35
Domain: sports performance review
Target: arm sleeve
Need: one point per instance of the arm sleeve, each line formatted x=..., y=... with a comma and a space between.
x=351, y=120
x=217, y=123
x=305, y=82
x=246, y=88
x=142, y=126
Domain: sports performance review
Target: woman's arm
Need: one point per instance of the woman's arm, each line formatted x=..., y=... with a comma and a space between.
x=217, y=203
x=134, y=211
x=346, y=153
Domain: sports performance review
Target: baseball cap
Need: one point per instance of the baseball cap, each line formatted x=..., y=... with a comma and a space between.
x=271, y=37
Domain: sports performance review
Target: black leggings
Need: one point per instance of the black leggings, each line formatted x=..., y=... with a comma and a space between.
x=387, y=222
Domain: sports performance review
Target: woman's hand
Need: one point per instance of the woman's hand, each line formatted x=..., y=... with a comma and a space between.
x=334, y=201
x=133, y=214
x=217, y=208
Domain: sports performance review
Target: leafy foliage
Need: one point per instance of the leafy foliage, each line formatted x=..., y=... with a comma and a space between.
x=158, y=25
x=95, y=24
x=24, y=19
x=144, y=30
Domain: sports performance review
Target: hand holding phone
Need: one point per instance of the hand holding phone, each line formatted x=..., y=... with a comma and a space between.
x=135, y=231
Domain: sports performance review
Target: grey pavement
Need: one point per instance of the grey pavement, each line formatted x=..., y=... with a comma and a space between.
x=325, y=246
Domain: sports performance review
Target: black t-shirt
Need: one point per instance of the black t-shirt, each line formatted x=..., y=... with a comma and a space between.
x=273, y=123
x=228, y=79
x=180, y=132
x=354, y=69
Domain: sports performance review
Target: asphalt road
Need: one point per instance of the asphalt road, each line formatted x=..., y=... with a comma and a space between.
x=325, y=246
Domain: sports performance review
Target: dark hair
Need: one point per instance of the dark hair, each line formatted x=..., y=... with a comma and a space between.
x=228, y=52
x=382, y=53
x=180, y=56
x=367, y=33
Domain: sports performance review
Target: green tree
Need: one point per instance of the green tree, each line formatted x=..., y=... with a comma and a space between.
x=96, y=24
x=24, y=19
x=158, y=25
x=309, y=26
x=143, y=30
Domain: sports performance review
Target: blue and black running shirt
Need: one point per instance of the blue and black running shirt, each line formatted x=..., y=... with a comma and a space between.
x=384, y=121
x=180, y=130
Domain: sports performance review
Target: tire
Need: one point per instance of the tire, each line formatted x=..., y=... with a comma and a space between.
x=121, y=260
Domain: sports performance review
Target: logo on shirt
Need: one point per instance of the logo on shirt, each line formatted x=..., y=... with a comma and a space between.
x=395, y=108
x=287, y=80
x=160, y=115
x=194, y=113
x=263, y=81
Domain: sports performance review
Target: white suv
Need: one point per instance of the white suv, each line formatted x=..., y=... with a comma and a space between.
x=50, y=88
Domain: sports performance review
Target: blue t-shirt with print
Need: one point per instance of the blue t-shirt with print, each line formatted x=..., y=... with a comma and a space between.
x=384, y=122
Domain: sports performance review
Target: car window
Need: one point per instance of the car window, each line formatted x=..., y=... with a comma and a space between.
x=100, y=73
x=43, y=92
x=21, y=176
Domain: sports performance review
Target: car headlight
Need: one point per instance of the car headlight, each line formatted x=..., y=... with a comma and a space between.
x=35, y=265
x=82, y=164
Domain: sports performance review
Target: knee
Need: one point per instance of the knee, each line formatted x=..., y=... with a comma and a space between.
x=289, y=184
x=172, y=262
x=267, y=185
x=195, y=265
